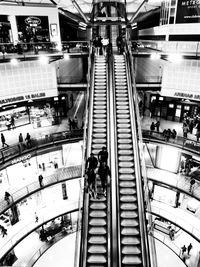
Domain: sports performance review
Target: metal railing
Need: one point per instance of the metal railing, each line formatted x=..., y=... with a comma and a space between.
x=36, y=48
x=11, y=152
x=184, y=143
x=62, y=174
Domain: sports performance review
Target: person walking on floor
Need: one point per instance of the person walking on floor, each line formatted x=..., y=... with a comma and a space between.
x=40, y=178
x=36, y=217
x=103, y=172
x=183, y=249
x=3, y=140
x=12, y=120
x=157, y=125
x=3, y=231
x=152, y=127
x=189, y=248
x=28, y=140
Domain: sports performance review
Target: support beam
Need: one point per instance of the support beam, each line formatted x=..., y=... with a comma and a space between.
x=137, y=11
x=80, y=11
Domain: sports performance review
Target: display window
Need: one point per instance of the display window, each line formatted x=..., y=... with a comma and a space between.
x=164, y=195
x=5, y=31
x=33, y=29
x=10, y=119
x=49, y=162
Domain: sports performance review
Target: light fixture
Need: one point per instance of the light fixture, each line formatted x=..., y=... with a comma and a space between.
x=175, y=58
x=155, y=56
x=66, y=56
x=43, y=60
x=14, y=61
x=55, y=98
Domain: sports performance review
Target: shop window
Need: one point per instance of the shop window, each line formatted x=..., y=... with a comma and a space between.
x=171, y=105
x=186, y=107
x=161, y=98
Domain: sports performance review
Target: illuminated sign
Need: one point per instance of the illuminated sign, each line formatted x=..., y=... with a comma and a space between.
x=23, y=158
x=21, y=98
x=188, y=11
x=187, y=95
x=33, y=21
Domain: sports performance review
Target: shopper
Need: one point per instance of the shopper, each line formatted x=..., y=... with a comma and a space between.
x=171, y=233
x=91, y=179
x=103, y=155
x=12, y=120
x=183, y=249
x=3, y=140
x=70, y=124
x=8, y=198
x=189, y=248
x=192, y=182
x=103, y=172
x=36, y=217
x=40, y=178
x=91, y=162
x=152, y=127
x=157, y=125
x=28, y=140
x=3, y=231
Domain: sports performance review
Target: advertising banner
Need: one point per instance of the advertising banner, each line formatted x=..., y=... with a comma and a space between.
x=188, y=11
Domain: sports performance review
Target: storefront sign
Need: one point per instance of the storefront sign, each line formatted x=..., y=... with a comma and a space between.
x=25, y=157
x=188, y=11
x=187, y=95
x=21, y=98
x=33, y=21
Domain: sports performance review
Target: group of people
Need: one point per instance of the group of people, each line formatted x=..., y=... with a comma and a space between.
x=101, y=45
x=155, y=126
x=10, y=123
x=3, y=230
x=120, y=42
x=98, y=166
x=27, y=139
x=189, y=124
x=183, y=251
x=168, y=133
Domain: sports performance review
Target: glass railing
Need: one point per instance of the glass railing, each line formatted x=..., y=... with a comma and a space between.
x=10, y=241
x=10, y=152
x=185, y=143
x=185, y=223
x=37, y=48
x=61, y=174
x=166, y=241
x=47, y=245
x=180, y=182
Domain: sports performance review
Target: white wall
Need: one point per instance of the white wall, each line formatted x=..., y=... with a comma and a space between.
x=12, y=11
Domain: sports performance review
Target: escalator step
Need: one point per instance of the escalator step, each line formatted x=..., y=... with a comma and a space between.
x=126, y=170
x=130, y=240
x=97, y=230
x=129, y=215
x=125, y=164
x=99, y=116
x=99, y=141
x=133, y=250
x=125, y=152
x=123, y=135
x=99, y=121
x=97, y=239
x=124, y=131
x=123, y=120
x=98, y=259
x=97, y=249
x=130, y=199
x=127, y=177
x=132, y=261
x=122, y=111
x=98, y=205
x=128, y=206
x=127, y=184
x=97, y=214
x=129, y=223
x=97, y=222
x=130, y=231
x=127, y=191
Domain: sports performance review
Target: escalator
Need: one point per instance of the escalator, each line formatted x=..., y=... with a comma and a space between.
x=131, y=249
x=97, y=229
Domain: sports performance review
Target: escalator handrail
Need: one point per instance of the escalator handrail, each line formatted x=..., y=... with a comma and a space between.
x=139, y=187
x=80, y=245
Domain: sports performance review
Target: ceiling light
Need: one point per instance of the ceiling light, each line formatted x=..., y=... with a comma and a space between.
x=43, y=60
x=14, y=61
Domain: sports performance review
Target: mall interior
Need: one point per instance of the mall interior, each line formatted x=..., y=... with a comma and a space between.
x=77, y=76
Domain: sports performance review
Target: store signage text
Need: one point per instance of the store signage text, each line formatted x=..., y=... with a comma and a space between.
x=21, y=98
x=14, y=161
x=33, y=21
x=187, y=95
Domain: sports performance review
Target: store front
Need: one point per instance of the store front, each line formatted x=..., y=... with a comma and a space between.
x=5, y=31
x=173, y=109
